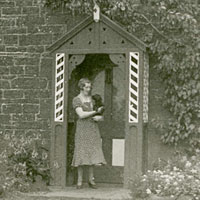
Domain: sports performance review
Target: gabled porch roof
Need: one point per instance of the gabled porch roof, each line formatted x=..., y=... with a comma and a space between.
x=105, y=20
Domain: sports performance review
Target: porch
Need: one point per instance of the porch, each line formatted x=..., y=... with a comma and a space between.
x=117, y=64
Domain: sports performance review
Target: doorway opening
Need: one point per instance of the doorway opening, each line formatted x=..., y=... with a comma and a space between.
x=108, y=80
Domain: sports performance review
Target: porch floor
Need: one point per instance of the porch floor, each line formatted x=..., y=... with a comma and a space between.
x=71, y=193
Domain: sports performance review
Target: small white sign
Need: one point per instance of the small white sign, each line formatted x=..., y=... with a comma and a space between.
x=118, y=152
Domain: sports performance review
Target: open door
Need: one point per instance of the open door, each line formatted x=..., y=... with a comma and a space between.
x=107, y=73
x=113, y=127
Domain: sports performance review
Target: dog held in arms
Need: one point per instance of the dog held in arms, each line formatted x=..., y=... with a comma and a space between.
x=98, y=103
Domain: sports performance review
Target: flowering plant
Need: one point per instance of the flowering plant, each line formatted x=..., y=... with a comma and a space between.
x=22, y=159
x=178, y=177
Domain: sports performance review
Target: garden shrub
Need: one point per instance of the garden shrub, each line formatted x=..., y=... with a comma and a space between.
x=23, y=158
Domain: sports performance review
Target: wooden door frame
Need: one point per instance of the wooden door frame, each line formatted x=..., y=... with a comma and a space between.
x=134, y=158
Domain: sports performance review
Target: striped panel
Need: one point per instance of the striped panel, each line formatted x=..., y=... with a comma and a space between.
x=59, y=86
x=133, y=86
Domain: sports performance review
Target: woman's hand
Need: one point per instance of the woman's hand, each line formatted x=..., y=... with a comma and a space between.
x=100, y=110
x=84, y=114
x=97, y=118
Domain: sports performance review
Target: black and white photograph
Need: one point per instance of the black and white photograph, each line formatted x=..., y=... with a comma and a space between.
x=100, y=99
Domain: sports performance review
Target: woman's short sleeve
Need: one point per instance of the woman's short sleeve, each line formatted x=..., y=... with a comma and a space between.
x=76, y=102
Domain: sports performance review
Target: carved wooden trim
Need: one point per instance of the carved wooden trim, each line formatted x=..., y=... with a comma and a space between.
x=74, y=61
x=117, y=59
x=145, y=89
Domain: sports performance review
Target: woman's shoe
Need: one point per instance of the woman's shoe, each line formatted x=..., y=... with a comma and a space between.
x=79, y=186
x=92, y=185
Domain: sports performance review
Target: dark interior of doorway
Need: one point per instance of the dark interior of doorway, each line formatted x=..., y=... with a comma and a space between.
x=92, y=65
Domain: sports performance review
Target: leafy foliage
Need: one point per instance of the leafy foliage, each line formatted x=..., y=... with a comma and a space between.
x=23, y=158
x=178, y=177
x=171, y=29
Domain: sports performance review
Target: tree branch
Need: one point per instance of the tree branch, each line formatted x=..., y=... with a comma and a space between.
x=159, y=32
x=154, y=27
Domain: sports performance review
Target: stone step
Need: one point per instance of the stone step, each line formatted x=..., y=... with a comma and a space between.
x=71, y=193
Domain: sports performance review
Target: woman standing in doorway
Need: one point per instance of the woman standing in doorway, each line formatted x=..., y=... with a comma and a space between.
x=88, y=149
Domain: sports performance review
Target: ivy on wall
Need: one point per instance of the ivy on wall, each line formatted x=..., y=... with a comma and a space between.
x=171, y=28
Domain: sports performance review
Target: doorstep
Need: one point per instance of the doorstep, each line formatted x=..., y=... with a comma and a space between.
x=71, y=193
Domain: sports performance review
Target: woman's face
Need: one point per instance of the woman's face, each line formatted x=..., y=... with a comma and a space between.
x=87, y=89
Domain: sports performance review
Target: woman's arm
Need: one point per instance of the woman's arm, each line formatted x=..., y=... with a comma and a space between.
x=83, y=114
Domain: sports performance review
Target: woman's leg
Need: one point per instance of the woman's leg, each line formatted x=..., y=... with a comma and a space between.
x=80, y=175
x=91, y=174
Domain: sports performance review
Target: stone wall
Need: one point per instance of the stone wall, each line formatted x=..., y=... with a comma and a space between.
x=24, y=78
x=26, y=30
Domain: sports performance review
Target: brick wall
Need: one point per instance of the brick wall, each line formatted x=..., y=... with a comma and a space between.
x=26, y=30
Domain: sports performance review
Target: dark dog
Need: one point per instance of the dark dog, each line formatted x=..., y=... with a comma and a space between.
x=97, y=102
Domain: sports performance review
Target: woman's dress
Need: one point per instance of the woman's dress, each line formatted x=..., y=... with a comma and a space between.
x=88, y=146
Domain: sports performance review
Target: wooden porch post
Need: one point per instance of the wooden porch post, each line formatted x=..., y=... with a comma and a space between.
x=134, y=142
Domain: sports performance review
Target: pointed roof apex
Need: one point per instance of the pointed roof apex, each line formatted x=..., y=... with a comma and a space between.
x=104, y=19
x=96, y=12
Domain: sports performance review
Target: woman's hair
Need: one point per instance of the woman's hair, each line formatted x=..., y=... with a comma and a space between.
x=82, y=82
